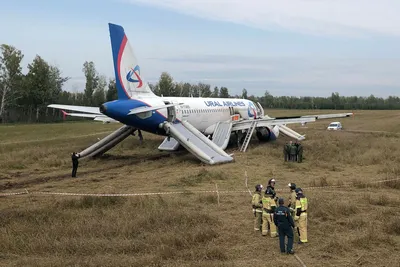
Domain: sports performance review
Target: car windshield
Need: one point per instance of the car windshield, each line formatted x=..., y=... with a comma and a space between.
x=333, y=125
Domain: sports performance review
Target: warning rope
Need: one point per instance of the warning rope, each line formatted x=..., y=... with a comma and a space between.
x=26, y=192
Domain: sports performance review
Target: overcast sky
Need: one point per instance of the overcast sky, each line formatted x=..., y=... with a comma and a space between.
x=288, y=47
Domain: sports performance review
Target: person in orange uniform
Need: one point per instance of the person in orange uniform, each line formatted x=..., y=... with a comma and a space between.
x=269, y=207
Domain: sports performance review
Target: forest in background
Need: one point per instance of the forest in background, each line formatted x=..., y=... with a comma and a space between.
x=24, y=97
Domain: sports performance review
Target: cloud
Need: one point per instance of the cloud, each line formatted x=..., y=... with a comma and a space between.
x=353, y=18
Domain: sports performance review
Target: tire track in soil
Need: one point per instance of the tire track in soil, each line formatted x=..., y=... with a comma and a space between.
x=58, y=177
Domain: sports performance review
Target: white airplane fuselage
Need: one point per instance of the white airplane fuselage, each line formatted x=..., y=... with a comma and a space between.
x=202, y=113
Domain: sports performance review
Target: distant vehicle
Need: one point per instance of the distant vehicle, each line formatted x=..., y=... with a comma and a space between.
x=335, y=126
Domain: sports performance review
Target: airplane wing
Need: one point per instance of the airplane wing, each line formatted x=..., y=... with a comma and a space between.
x=318, y=117
x=95, y=117
x=93, y=110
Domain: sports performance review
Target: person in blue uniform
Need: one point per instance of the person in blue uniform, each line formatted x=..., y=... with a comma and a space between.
x=284, y=222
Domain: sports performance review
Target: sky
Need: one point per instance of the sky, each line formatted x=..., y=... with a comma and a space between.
x=288, y=47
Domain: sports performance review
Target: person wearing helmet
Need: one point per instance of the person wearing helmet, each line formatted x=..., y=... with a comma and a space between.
x=292, y=197
x=271, y=186
x=292, y=205
x=269, y=207
x=284, y=221
x=301, y=215
x=257, y=207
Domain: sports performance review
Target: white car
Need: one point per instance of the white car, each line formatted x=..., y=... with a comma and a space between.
x=335, y=126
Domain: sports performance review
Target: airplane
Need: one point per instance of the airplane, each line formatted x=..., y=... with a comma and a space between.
x=204, y=126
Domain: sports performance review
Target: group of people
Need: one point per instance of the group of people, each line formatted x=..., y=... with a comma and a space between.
x=271, y=214
x=293, y=151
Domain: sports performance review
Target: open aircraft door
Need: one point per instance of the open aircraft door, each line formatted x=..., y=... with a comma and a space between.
x=260, y=110
x=171, y=111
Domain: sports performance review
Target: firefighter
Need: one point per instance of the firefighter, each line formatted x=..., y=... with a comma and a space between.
x=284, y=221
x=257, y=207
x=292, y=198
x=271, y=185
x=301, y=215
x=75, y=163
x=292, y=205
x=269, y=207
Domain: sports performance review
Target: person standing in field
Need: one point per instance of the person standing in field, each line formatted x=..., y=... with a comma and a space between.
x=292, y=206
x=301, y=215
x=299, y=153
x=286, y=151
x=269, y=207
x=284, y=222
x=75, y=163
x=257, y=207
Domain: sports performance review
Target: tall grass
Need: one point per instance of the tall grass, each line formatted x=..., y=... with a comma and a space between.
x=91, y=226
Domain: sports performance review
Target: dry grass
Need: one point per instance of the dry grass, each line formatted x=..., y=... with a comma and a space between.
x=349, y=226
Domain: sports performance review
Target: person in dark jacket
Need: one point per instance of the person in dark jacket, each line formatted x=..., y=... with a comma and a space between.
x=284, y=222
x=299, y=153
x=271, y=186
x=286, y=151
x=75, y=163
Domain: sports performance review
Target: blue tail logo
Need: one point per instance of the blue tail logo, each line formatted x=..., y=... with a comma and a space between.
x=135, y=71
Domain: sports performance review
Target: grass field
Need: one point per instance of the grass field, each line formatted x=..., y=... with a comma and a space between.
x=348, y=226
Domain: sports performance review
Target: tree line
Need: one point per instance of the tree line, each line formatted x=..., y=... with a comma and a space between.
x=24, y=97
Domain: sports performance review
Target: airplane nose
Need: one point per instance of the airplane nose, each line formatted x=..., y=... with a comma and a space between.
x=103, y=108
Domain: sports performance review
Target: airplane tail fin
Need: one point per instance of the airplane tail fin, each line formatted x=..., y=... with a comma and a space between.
x=127, y=71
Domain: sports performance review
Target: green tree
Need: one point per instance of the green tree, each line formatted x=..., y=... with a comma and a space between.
x=204, y=90
x=92, y=79
x=10, y=77
x=99, y=95
x=43, y=85
x=215, y=92
x=224, y=93
x=186, y=89
x=112, y=91
x=166, y=85
x=244, y=93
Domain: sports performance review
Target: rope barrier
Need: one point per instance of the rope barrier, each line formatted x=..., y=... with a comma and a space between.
x=179, y=192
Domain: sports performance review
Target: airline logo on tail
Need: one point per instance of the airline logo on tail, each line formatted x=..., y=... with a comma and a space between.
x=135, y=71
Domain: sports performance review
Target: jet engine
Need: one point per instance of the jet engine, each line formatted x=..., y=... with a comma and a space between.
x=265, y=134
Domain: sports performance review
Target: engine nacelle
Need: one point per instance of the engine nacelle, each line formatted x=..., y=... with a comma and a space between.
x=266, y=134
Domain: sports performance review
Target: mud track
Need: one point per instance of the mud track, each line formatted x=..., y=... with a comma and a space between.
x=58, y=177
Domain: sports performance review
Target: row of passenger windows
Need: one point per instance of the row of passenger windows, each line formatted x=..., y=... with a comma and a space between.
x=189, y=111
